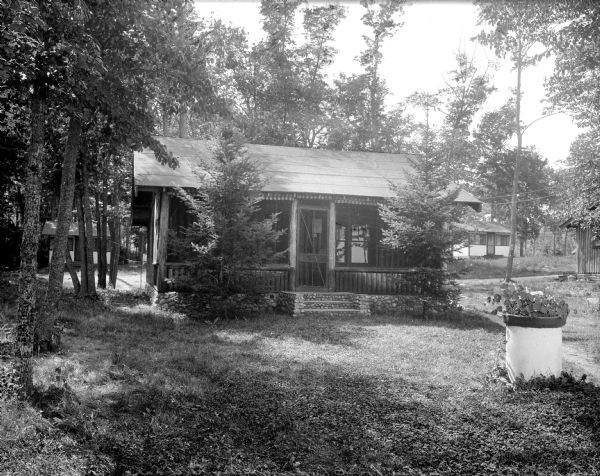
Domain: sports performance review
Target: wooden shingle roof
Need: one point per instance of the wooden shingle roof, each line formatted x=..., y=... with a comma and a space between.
x=289, y=169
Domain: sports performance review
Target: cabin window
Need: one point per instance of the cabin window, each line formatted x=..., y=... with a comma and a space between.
x=70, y=244
x=596, y=241
x=501, y=240
x=359, y=246
x=479, y=239
x=340, y=243
x=355, y=243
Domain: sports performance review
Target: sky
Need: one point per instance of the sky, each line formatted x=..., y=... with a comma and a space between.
x=420, y=55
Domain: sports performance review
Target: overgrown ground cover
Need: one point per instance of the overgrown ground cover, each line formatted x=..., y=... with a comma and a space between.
x=479, y=268
x=142, y=391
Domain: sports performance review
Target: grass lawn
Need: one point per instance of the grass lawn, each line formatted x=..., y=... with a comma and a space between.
x=526, y=266
x=136, y=390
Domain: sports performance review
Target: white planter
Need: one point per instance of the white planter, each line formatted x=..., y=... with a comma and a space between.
x=533, y=346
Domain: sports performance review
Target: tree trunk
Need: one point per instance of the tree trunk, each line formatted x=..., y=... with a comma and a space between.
x=26, y=304
x=73, y=273
x=165, y=121
x=83, y=291
x=515, y=184
x=183, y=124
x=65, y=210
x=101, y=245
x=565, y=242
x=115, y=231
x=127, y=240
x=521, y=247
x=89, y=230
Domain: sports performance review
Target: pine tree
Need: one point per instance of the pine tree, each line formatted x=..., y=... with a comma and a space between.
x=227, y=236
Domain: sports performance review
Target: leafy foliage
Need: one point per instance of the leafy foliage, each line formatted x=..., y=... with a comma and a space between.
x=516, y=299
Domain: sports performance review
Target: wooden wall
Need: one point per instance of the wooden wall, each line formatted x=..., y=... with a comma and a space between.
x=588, y=255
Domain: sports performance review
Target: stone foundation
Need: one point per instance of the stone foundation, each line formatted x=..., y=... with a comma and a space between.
x=290, y=303
x=391, y=304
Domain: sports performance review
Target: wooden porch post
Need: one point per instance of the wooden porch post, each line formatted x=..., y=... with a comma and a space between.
x=151, y=257
x=163, y=229
x=331, y=248
x=293, y=243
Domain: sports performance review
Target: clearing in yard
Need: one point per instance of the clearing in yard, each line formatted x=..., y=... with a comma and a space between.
x=480, y=268
x=139, y=390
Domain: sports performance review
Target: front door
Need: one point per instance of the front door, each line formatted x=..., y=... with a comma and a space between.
x=312, y=248
x=491, y=244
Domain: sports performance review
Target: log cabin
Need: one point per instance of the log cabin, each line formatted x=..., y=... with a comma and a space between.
x=327, y=203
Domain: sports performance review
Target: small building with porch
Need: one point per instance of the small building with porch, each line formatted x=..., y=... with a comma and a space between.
x=485, y=238
x=588, y=247
x=327, y=203
x=73, y=241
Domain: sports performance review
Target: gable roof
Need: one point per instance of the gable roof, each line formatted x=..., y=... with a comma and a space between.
x=289, y=169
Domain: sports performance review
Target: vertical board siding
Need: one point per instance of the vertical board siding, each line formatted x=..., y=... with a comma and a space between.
x=376, y=281
x=270, y=280
x=588, y=256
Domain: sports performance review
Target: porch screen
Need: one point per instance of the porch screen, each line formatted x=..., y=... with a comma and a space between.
x=355, y=243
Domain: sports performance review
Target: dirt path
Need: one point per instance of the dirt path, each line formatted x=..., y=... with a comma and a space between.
x=129, y=278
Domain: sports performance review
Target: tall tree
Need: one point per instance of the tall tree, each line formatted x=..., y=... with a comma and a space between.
x=315, y=55
x=383, y=21
x=360, y=99
x=466, y=91
x=515, y=32
x=573, y=33
x=24, y=31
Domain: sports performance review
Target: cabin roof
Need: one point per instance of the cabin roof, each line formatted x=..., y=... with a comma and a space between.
x=484, y=227
x=289, y=169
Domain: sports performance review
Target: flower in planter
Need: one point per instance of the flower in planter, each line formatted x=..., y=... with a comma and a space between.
x=516, y=299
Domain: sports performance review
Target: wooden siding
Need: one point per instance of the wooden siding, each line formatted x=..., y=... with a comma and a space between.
x=354, y=280
x=270, y=280
x=588, y=256
x=377, y=281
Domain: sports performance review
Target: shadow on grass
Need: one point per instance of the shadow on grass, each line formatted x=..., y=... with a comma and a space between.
x=250, y=414
x=323, y=420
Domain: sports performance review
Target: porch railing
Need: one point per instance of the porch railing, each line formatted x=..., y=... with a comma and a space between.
x=272, y=279
x=377, y=281
x=347, y=279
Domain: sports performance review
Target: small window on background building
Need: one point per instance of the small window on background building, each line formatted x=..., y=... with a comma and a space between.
x=70, y=244
x=504, y=240
x=480, y=239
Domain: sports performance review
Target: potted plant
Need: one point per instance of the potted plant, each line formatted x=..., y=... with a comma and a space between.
x=534, y=322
